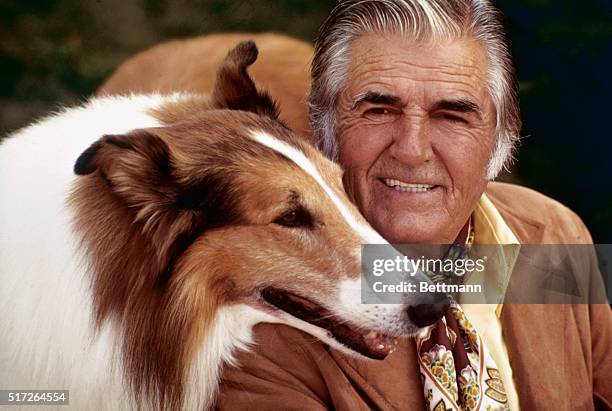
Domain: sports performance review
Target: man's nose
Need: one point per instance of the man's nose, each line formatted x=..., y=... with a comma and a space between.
x=411, y=142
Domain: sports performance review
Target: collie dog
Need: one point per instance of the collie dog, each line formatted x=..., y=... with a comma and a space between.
x=142, y=237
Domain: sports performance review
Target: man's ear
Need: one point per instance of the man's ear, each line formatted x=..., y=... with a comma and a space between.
x=234, y=88
x=137, y=166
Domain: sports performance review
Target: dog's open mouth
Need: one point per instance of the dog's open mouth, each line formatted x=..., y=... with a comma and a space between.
x=369, y=343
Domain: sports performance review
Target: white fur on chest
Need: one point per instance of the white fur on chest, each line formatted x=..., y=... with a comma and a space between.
x=46, y=336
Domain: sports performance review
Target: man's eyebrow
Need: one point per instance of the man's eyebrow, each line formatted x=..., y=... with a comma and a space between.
x=375, y=97
x=460, y=105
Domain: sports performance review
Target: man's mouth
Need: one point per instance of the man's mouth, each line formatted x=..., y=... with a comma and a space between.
x=369, y=343
x=407, y=187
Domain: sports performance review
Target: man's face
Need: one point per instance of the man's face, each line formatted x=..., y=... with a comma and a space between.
x=416, y=129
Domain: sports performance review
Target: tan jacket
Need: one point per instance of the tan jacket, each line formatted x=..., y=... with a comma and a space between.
x=560, y=354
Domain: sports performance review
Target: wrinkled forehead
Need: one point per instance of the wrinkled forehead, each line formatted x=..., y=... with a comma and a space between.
x=450, y=65
x=463, y=49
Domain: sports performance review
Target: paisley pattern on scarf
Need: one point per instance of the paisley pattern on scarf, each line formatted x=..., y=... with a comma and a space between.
x=458, y=375
x=440, y=362
x=456, y=370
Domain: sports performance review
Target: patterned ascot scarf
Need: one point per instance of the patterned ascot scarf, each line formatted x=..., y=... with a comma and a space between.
x=457, y=371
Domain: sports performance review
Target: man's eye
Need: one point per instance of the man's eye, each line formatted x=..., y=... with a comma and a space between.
x=454, y=118
x=378, y=113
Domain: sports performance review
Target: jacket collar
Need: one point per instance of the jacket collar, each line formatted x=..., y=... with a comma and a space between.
x=526, y=229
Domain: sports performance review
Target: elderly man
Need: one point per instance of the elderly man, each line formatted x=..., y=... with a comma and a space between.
x=418, y=101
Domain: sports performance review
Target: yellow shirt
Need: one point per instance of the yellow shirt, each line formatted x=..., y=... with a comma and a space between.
x=490, y=228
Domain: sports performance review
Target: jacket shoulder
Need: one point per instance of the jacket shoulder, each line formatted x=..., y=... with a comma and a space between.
x=527, y=211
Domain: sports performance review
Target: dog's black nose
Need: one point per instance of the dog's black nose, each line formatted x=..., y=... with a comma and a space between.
x=426, y=314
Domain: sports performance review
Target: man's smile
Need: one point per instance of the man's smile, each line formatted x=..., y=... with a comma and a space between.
x=407, y=187
x=395, y=197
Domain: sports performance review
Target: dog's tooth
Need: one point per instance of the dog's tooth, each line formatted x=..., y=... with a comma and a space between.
x=380, y=346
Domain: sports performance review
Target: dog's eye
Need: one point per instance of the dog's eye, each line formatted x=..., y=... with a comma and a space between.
x=295, y=218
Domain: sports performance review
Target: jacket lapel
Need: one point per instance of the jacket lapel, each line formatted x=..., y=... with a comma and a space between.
x=527, y=230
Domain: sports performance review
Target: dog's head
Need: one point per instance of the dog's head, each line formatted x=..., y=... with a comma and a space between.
x=226, y=207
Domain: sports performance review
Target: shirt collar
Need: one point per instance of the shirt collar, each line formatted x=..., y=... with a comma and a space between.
x=501, y=248
x=490, y=227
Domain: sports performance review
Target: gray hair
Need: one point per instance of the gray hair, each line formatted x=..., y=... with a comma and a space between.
x=418, y=20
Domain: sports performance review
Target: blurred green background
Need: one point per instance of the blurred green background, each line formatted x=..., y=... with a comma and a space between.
x=56, y=52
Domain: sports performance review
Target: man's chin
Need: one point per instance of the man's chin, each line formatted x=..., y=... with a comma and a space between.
x=413, y=227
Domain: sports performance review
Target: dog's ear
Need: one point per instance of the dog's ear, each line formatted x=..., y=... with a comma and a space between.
x=137, y=166
x=138, y=169
x=234, y=88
